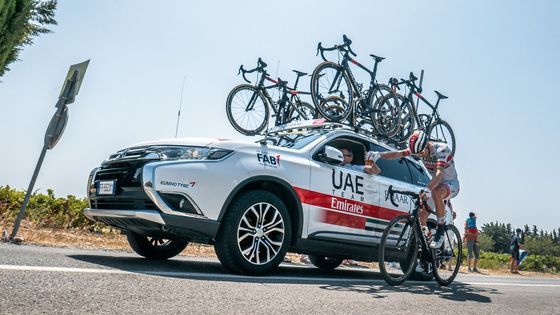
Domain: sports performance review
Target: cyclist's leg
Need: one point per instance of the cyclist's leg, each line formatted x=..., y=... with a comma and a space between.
x=445, y=191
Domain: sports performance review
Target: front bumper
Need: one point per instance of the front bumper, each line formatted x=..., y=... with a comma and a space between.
x=154, y=223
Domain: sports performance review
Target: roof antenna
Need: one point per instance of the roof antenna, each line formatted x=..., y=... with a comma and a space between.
x=180, y=103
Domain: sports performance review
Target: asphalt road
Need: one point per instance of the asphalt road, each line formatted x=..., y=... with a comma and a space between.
x=41, y=280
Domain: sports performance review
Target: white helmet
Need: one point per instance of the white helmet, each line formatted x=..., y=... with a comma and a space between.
x=417, y=141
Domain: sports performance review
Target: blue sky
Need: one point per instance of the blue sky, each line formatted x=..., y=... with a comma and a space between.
x=496, y=60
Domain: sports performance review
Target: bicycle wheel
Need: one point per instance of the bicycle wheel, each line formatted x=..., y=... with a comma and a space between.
x=247, y=109
x=407, y=124
x=448, y=258
x=385, y=111
x=307, y=112
x=398, y=250
x=331, y=91
x=440, y=131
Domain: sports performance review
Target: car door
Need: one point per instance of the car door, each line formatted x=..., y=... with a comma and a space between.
x=397, y=174
x=340, y=200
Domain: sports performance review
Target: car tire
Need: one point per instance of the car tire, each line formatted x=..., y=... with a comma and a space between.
x=155, y=248
x=327, y=263
x=255, y=234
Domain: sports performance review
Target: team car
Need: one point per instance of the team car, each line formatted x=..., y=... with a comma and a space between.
x=254, y=201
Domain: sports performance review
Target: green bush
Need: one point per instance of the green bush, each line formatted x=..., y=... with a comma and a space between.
x=46, y=210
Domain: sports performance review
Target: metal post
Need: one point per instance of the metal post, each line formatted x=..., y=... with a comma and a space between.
x=54, y=132
x=28, y=194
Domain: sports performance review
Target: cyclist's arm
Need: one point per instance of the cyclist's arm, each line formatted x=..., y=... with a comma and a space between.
x=391, y=155
x=373, y=169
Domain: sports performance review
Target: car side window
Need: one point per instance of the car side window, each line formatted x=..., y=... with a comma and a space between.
x=395, y=169
x=419, y=175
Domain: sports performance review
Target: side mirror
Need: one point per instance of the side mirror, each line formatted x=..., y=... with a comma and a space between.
x=331, y=155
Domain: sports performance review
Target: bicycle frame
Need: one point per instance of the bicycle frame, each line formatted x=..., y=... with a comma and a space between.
x=284, y=102
x=414, y=106
x=355, y=88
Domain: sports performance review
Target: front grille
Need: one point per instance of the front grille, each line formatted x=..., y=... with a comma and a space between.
x=127, y=174
x=123, y=203
x=129, y=194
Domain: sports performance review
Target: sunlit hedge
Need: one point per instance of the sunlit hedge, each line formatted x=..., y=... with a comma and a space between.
x=46, y=210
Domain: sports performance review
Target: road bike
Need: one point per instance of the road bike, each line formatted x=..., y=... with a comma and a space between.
x=404, y=245
x=247, y=105
x=438, y=129
x=336, y=94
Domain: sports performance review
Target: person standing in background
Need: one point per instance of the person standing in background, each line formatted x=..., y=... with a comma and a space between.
x=471, y=239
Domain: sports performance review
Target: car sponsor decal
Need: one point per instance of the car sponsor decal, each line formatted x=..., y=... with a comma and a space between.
x=347, y=185
x=346, y=212
x=177, y=184
x=268, y=160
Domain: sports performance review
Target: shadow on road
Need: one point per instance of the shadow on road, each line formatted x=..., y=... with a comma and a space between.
x=353, y=280
x=458, y=292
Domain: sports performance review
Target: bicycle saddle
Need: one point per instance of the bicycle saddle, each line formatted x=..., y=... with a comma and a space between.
x=299, y=73
x=440, y=95
x=377, y=58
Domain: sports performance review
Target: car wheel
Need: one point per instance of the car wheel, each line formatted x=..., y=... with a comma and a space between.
x=153, y=247
x=323, y=262
x=254, y=234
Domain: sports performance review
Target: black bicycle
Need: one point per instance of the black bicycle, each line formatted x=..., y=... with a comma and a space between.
x=438, y=129
x=336, y=94
x=403, y=246
x=247, y=105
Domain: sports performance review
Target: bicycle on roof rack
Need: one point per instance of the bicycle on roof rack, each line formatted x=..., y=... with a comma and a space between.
x=438, y=129
x=247, y=105
x=336, y=94
x=404, y=245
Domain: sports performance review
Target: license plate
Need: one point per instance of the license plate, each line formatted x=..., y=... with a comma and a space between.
x=106, y=187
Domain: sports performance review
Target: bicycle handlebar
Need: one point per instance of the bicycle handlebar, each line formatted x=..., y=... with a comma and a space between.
x=342, y=48
x=411, y=194
x=261, y=65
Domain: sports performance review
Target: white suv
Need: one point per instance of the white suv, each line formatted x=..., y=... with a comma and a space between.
x=253, y=200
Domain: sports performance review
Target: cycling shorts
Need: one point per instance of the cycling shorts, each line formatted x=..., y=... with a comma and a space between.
x=452, y=187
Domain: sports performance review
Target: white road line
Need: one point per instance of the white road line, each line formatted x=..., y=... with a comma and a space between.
x=239, y=277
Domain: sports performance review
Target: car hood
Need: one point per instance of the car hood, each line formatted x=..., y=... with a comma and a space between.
x=191, y=141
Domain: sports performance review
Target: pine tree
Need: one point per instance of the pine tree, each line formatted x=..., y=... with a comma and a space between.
x=526, y=230
x=20, y=22
x=535, y=231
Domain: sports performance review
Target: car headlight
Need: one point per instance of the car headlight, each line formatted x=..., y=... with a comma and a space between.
x=191, y=153
x=170, y=153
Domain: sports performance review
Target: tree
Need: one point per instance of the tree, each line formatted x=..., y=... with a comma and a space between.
x=535, y=231
x=20, y=22
x=526, y=230
x=486, y=243
x=500, y=234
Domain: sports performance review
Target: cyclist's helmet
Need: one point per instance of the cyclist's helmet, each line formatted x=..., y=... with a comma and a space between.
x=417, y=141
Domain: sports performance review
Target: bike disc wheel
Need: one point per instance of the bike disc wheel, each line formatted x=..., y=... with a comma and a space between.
x=307, y=112
x=440, y=131
x=386, y=112
x=448, y=257
x=399, y=243
x=331, y=91
x=247, y=110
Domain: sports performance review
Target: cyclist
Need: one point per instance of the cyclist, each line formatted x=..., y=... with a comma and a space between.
x=444, y=185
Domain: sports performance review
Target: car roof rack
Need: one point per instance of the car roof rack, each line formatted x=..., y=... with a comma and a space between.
x=317, y=124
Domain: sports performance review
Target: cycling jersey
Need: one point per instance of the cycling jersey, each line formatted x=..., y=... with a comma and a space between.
x=440, y=157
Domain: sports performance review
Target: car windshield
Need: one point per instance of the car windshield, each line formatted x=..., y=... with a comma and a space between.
x=294, y=141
